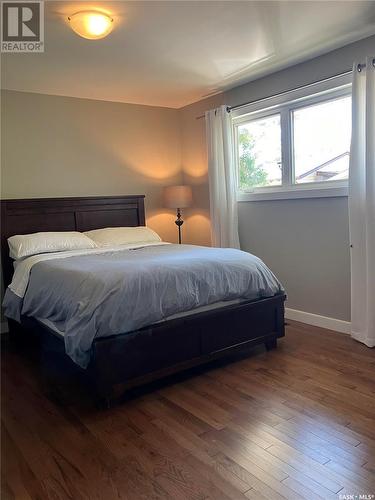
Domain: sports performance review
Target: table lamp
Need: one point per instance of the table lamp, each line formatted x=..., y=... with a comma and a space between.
x=178, y=197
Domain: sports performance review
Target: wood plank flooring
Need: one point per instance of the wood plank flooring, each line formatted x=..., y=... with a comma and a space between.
x=297, y=423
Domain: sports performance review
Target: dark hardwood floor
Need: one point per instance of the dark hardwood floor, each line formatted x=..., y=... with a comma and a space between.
x=296, y=422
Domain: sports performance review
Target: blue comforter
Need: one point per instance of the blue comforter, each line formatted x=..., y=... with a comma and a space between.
x=98, y=295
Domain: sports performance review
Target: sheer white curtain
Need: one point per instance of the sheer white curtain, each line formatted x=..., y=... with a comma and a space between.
x=222, y=178
x=362, y=204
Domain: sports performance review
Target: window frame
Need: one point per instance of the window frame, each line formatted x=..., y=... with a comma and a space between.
x=284, y=105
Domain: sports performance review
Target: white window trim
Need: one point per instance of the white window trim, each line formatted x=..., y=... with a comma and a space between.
x=312, y=94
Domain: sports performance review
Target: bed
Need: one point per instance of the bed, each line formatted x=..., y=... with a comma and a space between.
x=152, y=351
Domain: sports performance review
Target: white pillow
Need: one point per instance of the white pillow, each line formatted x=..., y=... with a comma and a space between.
x=113, y=236
x=23, y=245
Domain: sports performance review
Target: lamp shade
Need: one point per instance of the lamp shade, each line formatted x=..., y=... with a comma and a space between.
x=177, y=196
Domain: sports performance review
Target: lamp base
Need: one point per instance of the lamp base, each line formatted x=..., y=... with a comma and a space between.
x=179, y=223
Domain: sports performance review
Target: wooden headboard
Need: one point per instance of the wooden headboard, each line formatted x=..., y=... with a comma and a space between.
x=65, y=214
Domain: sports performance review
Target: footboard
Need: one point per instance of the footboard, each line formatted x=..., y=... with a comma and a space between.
x=162, y=349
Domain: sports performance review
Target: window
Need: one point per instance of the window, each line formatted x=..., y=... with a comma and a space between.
x=259, y=143
x=321, y=141
x=295, y=148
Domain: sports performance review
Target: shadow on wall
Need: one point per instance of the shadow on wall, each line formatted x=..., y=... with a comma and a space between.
x=162, y=221
x=197, y=230
x=197, y=227
x=194, y=231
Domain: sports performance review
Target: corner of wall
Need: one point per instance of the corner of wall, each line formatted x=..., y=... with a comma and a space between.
x=194, y=168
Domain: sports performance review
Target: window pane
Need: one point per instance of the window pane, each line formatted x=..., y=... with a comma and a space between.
x=259, y=144
x=322, y=135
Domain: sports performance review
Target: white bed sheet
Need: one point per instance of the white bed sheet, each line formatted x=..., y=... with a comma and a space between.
x=22, y=268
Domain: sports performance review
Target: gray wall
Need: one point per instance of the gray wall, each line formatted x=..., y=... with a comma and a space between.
x=306, y=241
x=306, y=244
x=61, y=146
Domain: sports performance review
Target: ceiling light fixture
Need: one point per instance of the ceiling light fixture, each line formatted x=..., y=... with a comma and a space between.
x=91, y=24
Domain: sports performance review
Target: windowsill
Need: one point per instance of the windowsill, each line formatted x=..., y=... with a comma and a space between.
x=293, y=194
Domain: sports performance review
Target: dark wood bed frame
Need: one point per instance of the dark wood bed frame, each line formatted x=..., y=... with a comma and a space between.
x=131, y=359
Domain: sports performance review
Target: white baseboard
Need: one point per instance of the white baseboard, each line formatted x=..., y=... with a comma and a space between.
x=337, y=325
x=4, y=327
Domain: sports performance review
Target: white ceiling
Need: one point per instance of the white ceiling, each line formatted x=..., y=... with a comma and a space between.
x=172, y=53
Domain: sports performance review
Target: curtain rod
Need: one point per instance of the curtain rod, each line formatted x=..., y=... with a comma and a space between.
x=230, y=108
